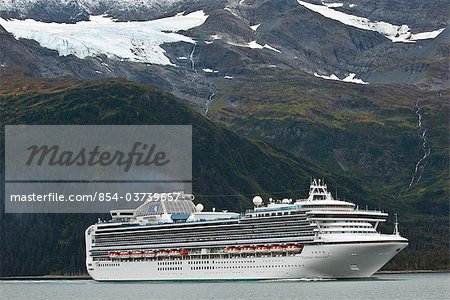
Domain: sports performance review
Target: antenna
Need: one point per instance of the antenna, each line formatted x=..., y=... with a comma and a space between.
x=396, y=232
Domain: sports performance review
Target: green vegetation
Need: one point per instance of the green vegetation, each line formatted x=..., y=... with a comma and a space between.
x=226, y=163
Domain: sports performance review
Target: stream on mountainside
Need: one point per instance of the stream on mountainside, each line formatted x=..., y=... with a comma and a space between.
x=209, y=102
x=422, y=162
x=210, y=98
x=191, y=57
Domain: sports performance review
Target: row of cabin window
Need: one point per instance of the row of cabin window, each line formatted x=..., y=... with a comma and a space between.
x=203, y=268
x=345, y=221
x=349, y=232
x=169, y=263
x=243, y=267
x=271, y=214
x=369, y=226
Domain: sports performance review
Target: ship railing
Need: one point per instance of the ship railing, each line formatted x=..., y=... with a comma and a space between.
x=364, y=210
x=268, y=209
x=369, y=210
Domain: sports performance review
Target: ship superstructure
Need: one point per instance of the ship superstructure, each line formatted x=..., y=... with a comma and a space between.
x=316, y=237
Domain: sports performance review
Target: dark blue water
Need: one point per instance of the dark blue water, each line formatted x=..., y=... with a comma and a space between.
x=426, y=286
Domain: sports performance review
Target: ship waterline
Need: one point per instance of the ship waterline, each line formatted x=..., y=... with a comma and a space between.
x=317, y=237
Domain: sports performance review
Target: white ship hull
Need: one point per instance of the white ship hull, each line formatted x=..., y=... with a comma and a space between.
x=318, y=261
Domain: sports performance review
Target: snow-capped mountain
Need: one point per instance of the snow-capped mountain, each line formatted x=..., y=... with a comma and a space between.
x=213, y=42
x=71, y=11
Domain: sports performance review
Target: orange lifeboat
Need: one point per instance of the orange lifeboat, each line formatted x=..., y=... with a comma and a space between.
x=136, y=254
x=247, y=250
x=293, y=248
x=174, y=253
x=262, y=249
x=162, y=253
x=149, y=253
x=124, y=254
x=233, y=250
x=113, y=255
x=277, y=248
x=184, y=252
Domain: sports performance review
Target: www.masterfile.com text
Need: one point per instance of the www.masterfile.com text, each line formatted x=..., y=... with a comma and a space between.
x=96, y=196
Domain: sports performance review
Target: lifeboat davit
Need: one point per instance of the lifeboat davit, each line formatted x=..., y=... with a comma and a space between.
x=124, y=254
x=247, y=250
x=149, y=254
x=262, y=249
x=293, y=248
x=277, y=248
x=136, y=254
x=233, y=250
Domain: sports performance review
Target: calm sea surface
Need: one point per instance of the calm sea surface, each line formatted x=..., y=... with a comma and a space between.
x=392, y=286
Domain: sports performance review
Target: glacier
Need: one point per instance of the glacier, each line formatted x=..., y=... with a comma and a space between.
x=126, y=41
x=393, y=32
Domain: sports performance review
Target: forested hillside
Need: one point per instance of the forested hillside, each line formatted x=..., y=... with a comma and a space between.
x=224, y=163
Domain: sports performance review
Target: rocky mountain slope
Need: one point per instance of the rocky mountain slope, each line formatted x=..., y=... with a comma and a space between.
x=239, y=38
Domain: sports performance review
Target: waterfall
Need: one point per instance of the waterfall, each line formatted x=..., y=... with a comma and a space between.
x=208, y=102
x=420, y=165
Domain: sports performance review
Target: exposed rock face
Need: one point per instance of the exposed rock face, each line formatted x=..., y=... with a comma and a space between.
x=289, y=37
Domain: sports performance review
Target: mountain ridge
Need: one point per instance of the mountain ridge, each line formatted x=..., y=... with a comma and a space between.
x=306, y=41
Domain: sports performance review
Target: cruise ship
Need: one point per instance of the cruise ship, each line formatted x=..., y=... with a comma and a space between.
x=316, y=237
